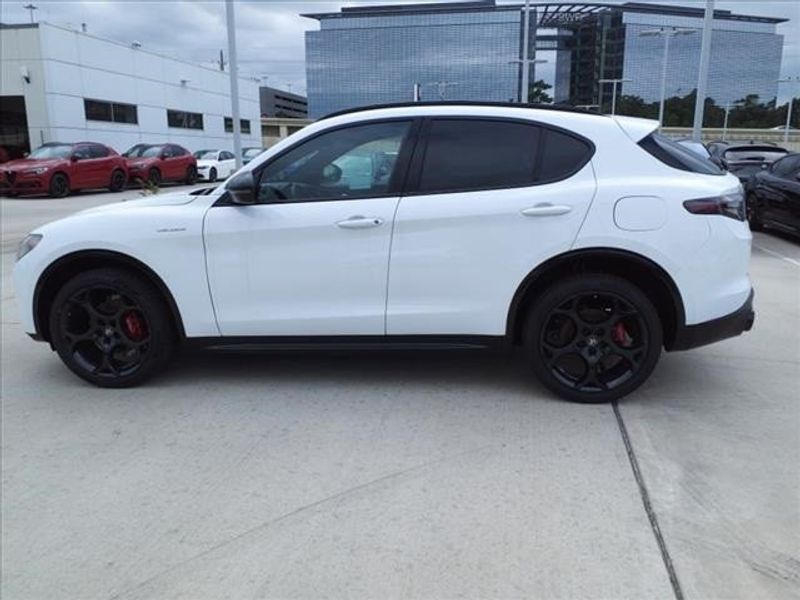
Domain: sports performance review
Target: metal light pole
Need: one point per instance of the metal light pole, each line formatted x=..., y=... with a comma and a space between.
x=667, y=33
x=30, y=8
x=790, y=101
x=613, y=92
x=702, y=75
x=526, y=59
x=234, y=74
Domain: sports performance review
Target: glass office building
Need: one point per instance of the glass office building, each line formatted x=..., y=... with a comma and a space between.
x=470, y=51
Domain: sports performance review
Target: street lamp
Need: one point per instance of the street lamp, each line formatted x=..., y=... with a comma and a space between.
x=30, y=8
x=234, y=75
x=728, y=106
x=613, y=93
x=667, y=32
x=788, y=108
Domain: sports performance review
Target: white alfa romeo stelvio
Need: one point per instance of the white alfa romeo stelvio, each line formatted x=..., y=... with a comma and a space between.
x=588, y=242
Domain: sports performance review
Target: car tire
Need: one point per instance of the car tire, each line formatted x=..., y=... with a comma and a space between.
x=118, y=181
x=59, y=186
x=753, y=216
x=112, y=328
x=593, y=338
x=191, y=176
x=212, y=175
x=154, y=177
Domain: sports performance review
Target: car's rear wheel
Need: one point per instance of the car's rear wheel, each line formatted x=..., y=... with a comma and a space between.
x=59, y=186
x=154, y=177
x=593, y=338
x=753, y=215
x=111, y=327
x=212, y=175
x=191, y=175
x=118, y=180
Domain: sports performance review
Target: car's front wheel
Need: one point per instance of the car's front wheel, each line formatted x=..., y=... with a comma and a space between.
x=593, y=338
x=191, y=176
x=111, y=327
x=59, y=186
x=118, y=181
x=212, y=175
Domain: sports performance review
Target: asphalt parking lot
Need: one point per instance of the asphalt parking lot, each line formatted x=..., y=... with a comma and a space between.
x=388, y=476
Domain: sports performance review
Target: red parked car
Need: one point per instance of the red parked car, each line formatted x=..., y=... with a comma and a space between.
x=58, y=169
x=161, y=162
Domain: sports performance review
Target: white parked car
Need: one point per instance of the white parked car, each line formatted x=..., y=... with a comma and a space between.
x=215, y=164
x=590, y=242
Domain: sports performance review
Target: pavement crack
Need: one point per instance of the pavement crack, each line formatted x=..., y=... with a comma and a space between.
x=648, y=506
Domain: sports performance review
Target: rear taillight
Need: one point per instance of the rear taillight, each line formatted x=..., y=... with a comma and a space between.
x=728, y=205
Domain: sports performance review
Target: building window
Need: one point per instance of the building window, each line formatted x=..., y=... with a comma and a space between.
x=243, y=123
x=113, y=112
x=270, y=131
x=184, y=120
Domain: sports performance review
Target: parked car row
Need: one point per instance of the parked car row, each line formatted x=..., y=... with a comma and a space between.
x=57, y=169
x=770, y=176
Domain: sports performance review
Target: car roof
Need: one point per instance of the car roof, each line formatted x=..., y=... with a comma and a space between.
x=557, y=107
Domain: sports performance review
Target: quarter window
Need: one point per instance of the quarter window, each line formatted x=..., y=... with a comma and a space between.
x=356, y=162
x=471, y=154
x=562, y=155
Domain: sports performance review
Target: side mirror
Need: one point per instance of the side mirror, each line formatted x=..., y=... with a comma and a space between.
x=242, y=189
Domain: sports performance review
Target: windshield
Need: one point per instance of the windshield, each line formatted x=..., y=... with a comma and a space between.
x=207, y=154
x=44, y=152
x=135, y=151
x=252, y=152
x=152, y=152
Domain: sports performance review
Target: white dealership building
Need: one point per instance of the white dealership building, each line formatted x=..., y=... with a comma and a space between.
x=59, y=84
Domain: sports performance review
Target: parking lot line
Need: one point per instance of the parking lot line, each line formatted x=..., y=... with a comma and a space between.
x=796, y=263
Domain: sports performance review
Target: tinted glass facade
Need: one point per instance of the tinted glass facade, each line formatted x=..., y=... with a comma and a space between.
x=466, y=51
x=361, y=60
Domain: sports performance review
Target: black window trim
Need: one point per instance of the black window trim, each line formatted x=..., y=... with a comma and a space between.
x=413, y=181
x=399, y=179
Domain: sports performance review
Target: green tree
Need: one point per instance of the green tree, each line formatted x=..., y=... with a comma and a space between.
x=537, y=92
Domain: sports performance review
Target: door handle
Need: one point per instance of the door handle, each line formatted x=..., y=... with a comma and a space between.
x=545, y=209
x=359, y=222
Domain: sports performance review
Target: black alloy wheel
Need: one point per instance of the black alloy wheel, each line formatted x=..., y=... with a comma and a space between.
x=118, y=180
x=59, y=186
x=753, y=218
x=110, y=327
x=212, y=175
x=594, y=338
x=154, y=177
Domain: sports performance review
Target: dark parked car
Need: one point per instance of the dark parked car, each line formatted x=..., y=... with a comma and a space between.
x=161, y=162
x=58, y=169
x=745, y=160
x=773, y=196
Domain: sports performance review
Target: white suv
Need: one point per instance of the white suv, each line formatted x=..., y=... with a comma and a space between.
x=589, y=241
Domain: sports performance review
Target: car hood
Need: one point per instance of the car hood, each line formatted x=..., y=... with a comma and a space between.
x=21, y=164
x=172, y=199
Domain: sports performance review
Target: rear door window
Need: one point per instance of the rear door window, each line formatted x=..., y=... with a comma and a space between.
x=475, y=154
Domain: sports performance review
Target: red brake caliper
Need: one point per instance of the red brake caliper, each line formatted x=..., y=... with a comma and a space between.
x=620, y=335
x=134, y=325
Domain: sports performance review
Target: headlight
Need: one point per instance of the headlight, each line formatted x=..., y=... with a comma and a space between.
x=28, y=244
x=202, y=168
x=36, y=171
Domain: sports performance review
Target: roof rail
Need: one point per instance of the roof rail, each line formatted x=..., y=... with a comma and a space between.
x=554, y=107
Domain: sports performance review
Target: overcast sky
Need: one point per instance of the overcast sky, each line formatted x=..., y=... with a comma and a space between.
x=270, y=32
